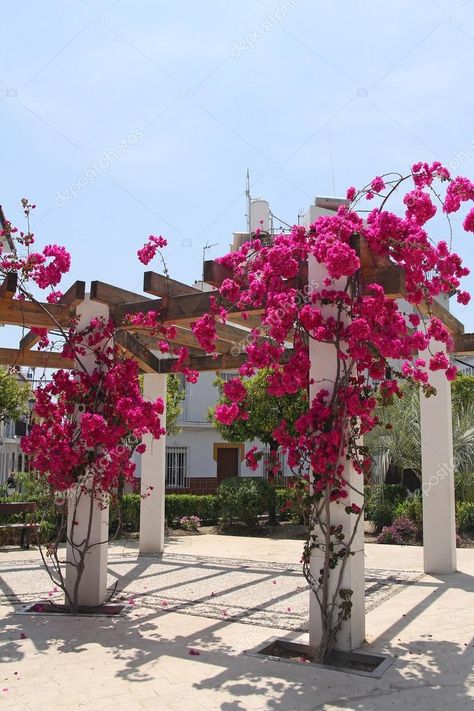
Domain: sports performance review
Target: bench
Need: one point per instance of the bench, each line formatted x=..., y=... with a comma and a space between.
x=20, y=508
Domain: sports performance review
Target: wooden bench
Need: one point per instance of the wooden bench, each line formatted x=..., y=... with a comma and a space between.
x=26, y=527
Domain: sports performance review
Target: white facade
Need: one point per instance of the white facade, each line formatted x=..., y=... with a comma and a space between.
x=195, y=449
x=11, y=457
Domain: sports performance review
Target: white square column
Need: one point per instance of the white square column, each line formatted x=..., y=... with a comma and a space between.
x=84, y=508
x=153, y=475
x=82, y=511
x=439, y=511
x=352, y=633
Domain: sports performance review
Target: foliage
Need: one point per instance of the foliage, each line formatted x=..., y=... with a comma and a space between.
x=462, y=389
x=174, y=397
x=243, y=500
x=381, y=503
x=190, y=523
x=396, y=440
x=465, y=516
x=402, y=532
x=13, y=396
x=412, y=508
x=294, y=502
x=264, y=412
x=205, y=506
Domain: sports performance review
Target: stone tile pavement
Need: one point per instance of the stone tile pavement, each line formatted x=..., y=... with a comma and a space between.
x=143, y=660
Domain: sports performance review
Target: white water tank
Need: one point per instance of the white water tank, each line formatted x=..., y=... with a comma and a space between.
x=259, y=215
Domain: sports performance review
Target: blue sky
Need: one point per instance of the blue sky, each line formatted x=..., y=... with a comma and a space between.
x=124, y=118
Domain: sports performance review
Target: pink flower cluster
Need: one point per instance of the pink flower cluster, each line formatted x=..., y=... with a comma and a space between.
x=150, y=248
x=91, y=423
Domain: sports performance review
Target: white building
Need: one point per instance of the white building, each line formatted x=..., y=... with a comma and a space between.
x=198, y=458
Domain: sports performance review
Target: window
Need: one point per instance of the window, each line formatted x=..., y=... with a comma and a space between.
x=226, y=375
x=176, y=467
x=266, y=463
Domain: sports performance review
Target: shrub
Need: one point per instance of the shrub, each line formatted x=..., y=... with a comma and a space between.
x=293, y=503
x=190, y=523
x=402, y=532
x=465, y=516
x=411, y=508
x=244, y=499
x=179, y=505
x=381, y=503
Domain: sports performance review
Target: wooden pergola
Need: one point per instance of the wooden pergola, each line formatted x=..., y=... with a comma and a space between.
x=179, y=305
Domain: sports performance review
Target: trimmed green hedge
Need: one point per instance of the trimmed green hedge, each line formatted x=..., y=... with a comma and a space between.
x=244, y=499
x=176, y=506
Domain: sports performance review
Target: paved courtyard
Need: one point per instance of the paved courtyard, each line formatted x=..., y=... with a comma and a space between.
x=193, y=612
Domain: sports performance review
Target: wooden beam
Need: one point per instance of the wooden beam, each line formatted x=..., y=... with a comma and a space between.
x=222, y=362
x=392, y=278
x=463, y=344
x=114, y=295
x=160, y=285
x=151, y=341
x=35, y=359
x=9, y=285
x=147, y=361
x=436, y=309
x=72, y=297
x=180, y=308
x=215, y=273
x=27, y=313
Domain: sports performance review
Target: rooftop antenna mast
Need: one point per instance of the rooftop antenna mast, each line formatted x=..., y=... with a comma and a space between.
x=249, y=202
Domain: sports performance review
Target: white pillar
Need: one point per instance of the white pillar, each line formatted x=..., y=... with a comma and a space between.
x=93, y=585
x=439, y=512
x=352, y=634
x=153, y=474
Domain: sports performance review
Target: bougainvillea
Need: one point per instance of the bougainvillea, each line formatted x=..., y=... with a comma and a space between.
x=371, y=332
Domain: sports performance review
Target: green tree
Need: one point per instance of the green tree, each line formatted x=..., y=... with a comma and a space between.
x=174, y=398
x=14, y=396
x=265, y=412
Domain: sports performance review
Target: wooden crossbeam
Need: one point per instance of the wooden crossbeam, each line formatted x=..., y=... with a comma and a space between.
x=180, y=308
x=9, y=285
x=28, y=313
x=34, y=359
x=215, y=273
x=463, y=344
x=113, y=295
x=72, y=298
x=206, y=363
x=151, y=343
x=436, y=309
x=160, y=285
x=147, y=361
